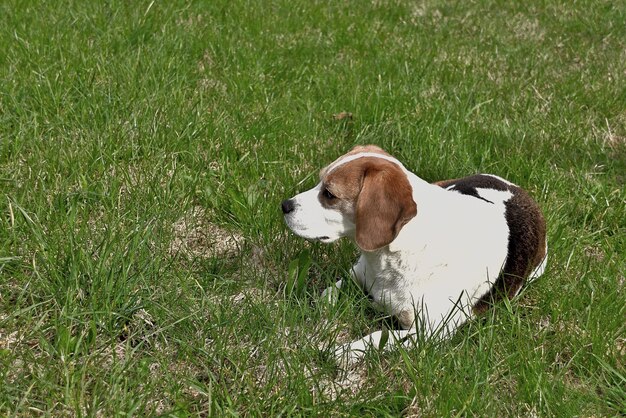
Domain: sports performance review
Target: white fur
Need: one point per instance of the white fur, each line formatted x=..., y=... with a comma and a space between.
x=443, y=260
x=505, y=181
x=313, y=221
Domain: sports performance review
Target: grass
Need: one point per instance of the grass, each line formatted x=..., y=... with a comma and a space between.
x=145, y=147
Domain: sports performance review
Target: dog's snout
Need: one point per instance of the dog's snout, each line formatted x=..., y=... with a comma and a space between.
x=287, y=206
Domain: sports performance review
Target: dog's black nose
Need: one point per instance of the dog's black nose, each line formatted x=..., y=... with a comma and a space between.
x=287, y=206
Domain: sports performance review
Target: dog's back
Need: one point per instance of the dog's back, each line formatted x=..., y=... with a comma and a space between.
x=527, y=248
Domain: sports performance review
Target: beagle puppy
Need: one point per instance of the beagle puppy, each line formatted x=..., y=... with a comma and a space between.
x=432, y=255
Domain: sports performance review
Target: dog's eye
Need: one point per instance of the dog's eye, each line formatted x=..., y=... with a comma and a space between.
x=328, y=195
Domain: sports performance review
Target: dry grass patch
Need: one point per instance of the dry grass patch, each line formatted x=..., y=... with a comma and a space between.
x=195, y=236
x=8, y=339
x=527, y=29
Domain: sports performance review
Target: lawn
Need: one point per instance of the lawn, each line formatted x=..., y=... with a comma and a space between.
x=145, y=148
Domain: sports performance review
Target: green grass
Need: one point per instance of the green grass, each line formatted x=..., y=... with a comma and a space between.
x=145, y=147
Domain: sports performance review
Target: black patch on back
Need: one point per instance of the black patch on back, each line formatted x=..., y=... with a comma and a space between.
x=483, y=181
x=468, y=185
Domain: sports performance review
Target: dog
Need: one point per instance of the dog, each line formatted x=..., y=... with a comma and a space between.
x=433, y=255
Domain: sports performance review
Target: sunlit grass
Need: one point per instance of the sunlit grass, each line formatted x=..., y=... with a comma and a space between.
x=145, y=148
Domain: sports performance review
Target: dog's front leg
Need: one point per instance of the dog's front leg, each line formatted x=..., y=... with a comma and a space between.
x=357, y=274
x=350, y=353
x=438, y=330
x=331, y=293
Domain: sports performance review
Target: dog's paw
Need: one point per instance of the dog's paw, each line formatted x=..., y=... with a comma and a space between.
x=330, y=295
x=350, y=354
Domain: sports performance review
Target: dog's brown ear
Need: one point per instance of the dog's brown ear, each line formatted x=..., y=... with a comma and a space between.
x=384, y=205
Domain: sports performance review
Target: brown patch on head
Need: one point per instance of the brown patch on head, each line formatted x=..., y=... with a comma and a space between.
x=356, y=150
x=368, y=148
x=379, y=195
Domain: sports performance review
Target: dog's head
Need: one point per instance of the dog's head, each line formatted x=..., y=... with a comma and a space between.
x=364, y=194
